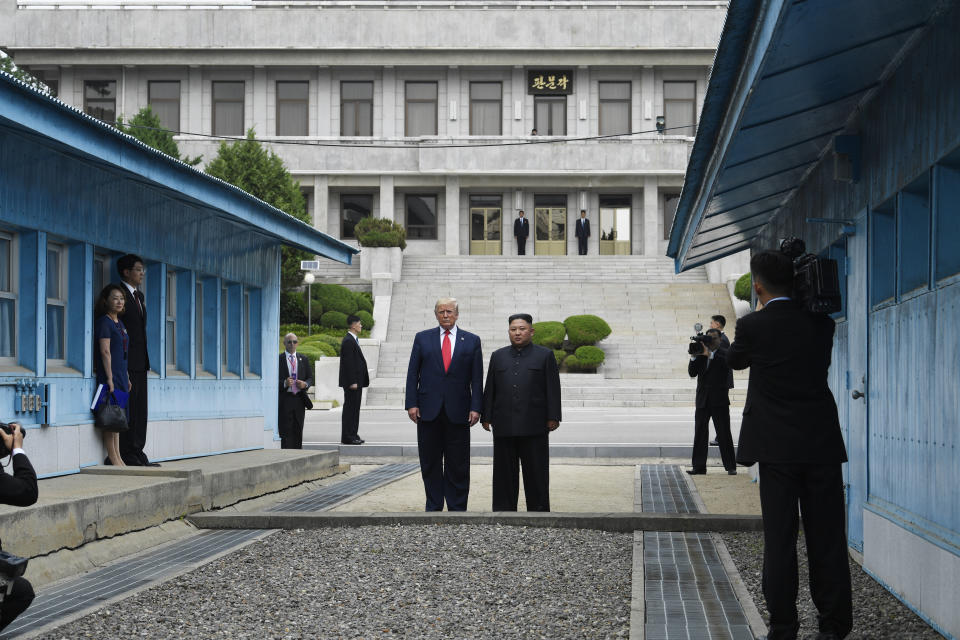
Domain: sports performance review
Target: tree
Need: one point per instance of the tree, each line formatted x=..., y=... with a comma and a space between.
x=146, y=127
x=7, y=66
x=260, y=172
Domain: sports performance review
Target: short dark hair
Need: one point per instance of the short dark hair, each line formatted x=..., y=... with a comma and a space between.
x=773, y=270
x=351, y=319
x=526, y=317
x=719, y=319
x=127, y=262
x=102, y=305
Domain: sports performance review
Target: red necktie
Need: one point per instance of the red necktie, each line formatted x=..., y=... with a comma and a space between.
x=445, y=351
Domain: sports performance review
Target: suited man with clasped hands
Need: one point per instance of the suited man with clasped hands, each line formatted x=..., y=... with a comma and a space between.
x=444, y=397
x=791, y=428
x=582, y=232
x=353, y=378
x=295, y=379
x=521, y=229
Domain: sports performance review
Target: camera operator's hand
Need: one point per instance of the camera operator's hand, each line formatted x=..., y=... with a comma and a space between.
x=14, y=440
x=705, y=352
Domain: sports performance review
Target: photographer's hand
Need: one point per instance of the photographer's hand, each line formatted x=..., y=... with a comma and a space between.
x=12, y=440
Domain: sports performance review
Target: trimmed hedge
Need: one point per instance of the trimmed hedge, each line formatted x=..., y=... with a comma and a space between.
x=585, y=358
x=380, y=232
x=316, y=308
x=548, y=334
x=311, y=354
x=365, y=318
x=333, y=297
x=301, y=331
x=364, y=301
x=334, y=319
x=319, y=338
x=742, y=289
x=560, y=355
x=585, y=330
x=292, y=308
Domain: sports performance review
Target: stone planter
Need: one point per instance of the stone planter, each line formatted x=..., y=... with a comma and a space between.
x=381, y=260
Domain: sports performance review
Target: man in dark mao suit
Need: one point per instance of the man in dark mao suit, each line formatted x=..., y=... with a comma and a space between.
x=134, y=318
x=582, y=232
x=443, y=397
x=19, y=490
x=521, y=229
x=353, y=378
x=790, y=427
x=713, y=402
x=521, y=401
x=295, y=379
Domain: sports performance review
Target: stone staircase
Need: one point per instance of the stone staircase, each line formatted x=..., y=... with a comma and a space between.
x=650, y=310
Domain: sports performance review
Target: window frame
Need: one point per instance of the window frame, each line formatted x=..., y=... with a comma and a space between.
x=87, y=101
x=693, y=107
x=214, y=102
x=343, y=209
x=539, y=126
x=151, y=101
x=354, y=104
x=436, y=216
x=407, y=101
x=62, y=301
x=628, y=101
x=170, y=322
x=288, y=101
x=476, y=101
x=11, y=293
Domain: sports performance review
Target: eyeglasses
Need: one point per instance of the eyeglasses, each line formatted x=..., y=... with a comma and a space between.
x=290, y=342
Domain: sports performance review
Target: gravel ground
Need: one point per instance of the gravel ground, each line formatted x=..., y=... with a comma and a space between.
x=876, y=613
x=412, y=582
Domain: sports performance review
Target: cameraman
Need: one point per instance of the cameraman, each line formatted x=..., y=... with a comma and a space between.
x=790, y=427
x=19, y=490
x=713, y=401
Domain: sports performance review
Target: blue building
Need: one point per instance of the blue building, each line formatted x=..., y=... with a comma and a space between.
x=839, y=122
x=74, y=195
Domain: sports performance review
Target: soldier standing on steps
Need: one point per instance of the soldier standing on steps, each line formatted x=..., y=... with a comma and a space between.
x=521, y=229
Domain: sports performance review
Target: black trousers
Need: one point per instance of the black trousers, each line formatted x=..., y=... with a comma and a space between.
x=444, y=448
x=522, y=246
x=134, y=439
x=350, y=418
x=818, y=491
x=16, y=602
x=290, y=421
x=582, y=246
x=720, y=414
x=532, y=454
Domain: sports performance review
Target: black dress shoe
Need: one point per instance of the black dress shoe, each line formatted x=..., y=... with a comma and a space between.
x=731, y=472
x=151, y=464
x=354, y=441
x=714, y=443
x=697, y=472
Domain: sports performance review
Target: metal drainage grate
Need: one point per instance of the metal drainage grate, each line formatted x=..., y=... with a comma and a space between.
x=326, y=497
x=664, y=490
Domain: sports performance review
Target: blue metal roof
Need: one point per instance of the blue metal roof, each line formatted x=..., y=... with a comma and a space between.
x=787, y=77
x=76, y=134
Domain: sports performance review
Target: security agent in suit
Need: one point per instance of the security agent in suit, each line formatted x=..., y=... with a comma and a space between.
x=295, y=379
x=790, y=427
x=521, y=400
x=134, y=318
x=19, y=490
x=713, y=403
x=353, y=378
x=521, y=229
x=719, y=322
x=582, y=232
x=443, y=397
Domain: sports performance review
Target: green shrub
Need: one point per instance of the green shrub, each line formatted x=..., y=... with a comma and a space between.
x=316, y=309
x=311, y=354
x=334, y=297
x=333, y=341
x=301, y=331
x=560, y=355
x=548, y=334
x=380, y=232
x=292, y=308
x=585, y=330
x=365, y=318
x=334, y=319
x=585, y=358
x=743, y=287
x=364, y=301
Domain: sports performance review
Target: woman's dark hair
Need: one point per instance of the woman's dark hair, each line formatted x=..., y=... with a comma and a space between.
x=102, y=304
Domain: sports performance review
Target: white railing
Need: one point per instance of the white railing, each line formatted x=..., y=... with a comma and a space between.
x=369, y=4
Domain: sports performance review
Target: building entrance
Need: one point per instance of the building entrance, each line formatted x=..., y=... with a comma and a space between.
x=485, y=226
x=550, y=222
x=614, y=225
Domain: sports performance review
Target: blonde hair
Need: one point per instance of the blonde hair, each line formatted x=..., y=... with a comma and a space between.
x=443, y=301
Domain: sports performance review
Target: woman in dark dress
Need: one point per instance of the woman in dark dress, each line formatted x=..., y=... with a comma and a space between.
x=110, y=338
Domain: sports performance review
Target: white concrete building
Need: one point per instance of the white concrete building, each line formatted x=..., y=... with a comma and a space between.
x=419, y=111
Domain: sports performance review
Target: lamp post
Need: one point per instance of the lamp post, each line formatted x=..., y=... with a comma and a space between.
x=308, y=278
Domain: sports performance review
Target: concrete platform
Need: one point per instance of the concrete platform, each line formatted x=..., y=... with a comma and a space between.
x=102, y=501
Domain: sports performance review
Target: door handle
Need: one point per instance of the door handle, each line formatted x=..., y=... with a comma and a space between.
x=856, y=395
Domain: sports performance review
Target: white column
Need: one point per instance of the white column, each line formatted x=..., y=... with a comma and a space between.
x=386, y=197
x=651, y=214
x=581, y=94
x=194, y=110
x=452, y=216
x=649, y=103
x=260, y=102
x=321, y=203
x=518, y=91
x=389, y=120
x=323, y=102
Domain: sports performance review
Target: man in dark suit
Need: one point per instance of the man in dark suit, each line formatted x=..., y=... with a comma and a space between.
x=134, y=318
x=19, y=490
x=353, y=378
x=790, y=427
x=295, y=379
x=582, y=232
x=444, y=398
x=521, y=400
x=713, y=403
x=521, y=229
x=719, y=322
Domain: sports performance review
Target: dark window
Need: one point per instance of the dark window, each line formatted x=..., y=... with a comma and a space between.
x=164, y=98
x=49, y=77
x=838, y=251
x=356, y=108
x=883, y=252
x=550, y=115
x=486, y=109
x=8, y=299
x=946, y=234
x=354, y=207
x=228, y=108
x=680, y=108
x=421, y=217
x=913, y=236
x=670, y=202
x=100, y=99
x=421, y=109
x=614, y=108
x=292, y=107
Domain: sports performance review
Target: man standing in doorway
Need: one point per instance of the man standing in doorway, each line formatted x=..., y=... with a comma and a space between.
x=295, y=379
x=582, y=232
x=353, y=378
x=521, y=229
x=521, y=401
x=791, y=428
x=134, y=318
x=444, y=396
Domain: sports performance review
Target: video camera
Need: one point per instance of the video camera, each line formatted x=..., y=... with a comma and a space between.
x=699, y=341
x=816, y=284
x=6, y=428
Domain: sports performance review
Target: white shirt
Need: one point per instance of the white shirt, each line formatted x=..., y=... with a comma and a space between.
x=17, y=450
x=133, y=292
x=355, y=336
x=453, y=340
